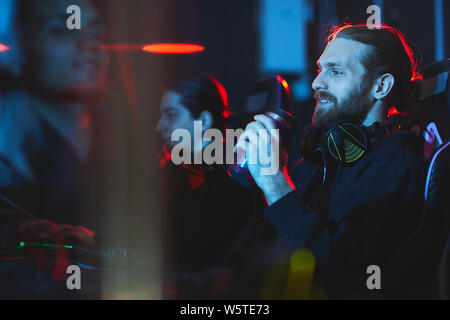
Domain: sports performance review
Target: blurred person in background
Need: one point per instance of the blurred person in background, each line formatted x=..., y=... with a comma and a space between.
x=205, y=211
x=53, y=139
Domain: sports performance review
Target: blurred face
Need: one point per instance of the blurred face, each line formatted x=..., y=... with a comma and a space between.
x=64, y=60
x=173, y=116
x=342, y=90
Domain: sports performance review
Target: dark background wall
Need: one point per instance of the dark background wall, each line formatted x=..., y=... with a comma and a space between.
x=228, y=30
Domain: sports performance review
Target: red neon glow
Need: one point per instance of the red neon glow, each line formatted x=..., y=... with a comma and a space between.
x=283, y=83
x=196, y=176
x=85, y=120
x=226, y=113
x=173, y=48
x=394, y=112
x=222, y=92
x=119, y=47
x=4, y=48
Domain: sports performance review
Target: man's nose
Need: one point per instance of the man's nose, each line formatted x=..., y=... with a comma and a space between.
x=319, y=83
x=159, y=126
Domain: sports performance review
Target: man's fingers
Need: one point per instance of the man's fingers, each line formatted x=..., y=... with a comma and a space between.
x=250, y=134
x=268, y=123
x=247, y=141
x=260, y=139
x=255, y=125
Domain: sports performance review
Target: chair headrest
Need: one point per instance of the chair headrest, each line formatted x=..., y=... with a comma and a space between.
x=435, y=79
x=434, y=101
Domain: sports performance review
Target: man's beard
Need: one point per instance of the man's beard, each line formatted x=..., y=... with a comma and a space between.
x=355, y=106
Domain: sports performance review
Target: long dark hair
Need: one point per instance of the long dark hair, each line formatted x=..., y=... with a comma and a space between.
x=388, y=53
x=204, y=92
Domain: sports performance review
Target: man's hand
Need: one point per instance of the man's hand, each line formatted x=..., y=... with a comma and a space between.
x=259, y=137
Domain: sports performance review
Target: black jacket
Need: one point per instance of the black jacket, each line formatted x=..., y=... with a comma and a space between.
x=200, y=223
x=362, y=215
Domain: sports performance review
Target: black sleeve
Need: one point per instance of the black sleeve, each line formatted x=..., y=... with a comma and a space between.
x=292, y=220
x=379, y=213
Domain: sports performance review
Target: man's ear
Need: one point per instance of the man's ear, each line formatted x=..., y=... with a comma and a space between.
x=207, y=119
x=383, y=86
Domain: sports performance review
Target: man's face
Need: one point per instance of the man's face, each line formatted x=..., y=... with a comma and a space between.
x=174, y=116
x=342, y=89
x=64, y=60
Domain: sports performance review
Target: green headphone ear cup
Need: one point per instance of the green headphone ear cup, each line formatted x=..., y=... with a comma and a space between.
x=346, y=142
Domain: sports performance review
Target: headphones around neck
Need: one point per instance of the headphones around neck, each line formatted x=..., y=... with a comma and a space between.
x=344, y=141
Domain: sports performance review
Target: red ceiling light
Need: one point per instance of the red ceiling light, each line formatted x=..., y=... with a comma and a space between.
x=4, y=48
x=119, y=47
x=173, y=48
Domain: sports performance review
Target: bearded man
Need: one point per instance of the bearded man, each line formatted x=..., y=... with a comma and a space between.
x=356, y=200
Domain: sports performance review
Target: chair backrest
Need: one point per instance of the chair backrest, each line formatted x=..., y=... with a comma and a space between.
x=433, y=114
x=434, y=102
x=437, y=209
x=422, y=255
